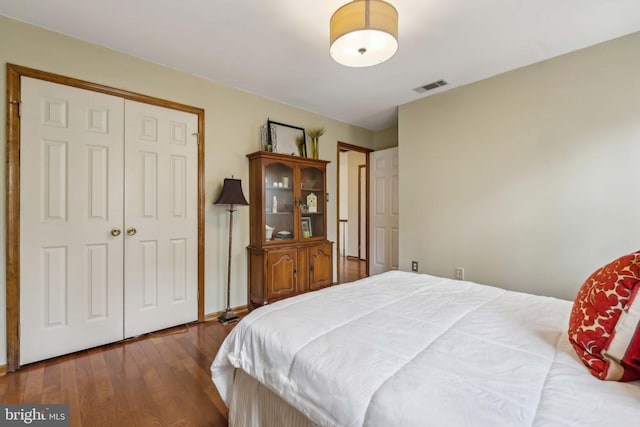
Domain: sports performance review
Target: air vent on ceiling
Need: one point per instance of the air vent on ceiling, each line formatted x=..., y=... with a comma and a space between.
x=430, y=86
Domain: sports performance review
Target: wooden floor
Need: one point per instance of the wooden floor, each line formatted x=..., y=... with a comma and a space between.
x=351, y=269
x=161, y=379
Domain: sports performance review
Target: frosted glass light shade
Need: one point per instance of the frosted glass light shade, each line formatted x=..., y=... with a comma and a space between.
x=364, y=33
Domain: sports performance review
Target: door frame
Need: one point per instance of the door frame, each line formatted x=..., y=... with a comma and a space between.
x=343, y=146
x=12, y=220
x=366, y=171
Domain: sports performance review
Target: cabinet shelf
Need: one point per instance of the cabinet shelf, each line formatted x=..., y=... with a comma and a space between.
x=279, y=188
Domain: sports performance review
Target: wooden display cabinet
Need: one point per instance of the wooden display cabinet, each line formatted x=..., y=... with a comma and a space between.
x=289, y=253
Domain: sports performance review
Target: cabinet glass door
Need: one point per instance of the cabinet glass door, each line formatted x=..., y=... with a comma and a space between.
x=312, y=203
x=279, y=202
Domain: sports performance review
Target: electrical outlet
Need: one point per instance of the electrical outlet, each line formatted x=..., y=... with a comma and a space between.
x=459, y=273
x=414, y=266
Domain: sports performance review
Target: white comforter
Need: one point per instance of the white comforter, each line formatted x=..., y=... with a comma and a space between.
x=406, y=349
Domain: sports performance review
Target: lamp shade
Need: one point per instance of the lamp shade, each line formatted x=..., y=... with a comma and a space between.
x=363, y=33
x=231, y=193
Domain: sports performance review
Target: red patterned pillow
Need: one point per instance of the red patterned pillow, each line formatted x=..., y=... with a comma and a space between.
x=604, y=327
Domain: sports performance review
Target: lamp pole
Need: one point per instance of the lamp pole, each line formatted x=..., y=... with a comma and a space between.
x=228, y=315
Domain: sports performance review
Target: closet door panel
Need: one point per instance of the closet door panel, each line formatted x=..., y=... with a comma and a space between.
x=161, y=164
x=71, y=197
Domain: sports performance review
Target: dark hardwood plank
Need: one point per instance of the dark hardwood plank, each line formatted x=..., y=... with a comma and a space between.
x=33, y=387
x=15, y=387
x=351, y=269
x=88, y=409
x=169, y=402
x=51, y=392
x=125, y=396
x=68, y=389
x=160, y=379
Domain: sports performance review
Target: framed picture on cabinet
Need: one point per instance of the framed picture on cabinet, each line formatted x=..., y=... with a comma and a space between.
x=306, y=227
x=286, y=139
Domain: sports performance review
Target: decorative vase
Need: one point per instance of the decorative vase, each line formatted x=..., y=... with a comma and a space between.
x=314, y=148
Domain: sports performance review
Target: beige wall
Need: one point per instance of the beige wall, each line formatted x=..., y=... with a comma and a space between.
x=529, y=180
x=385, y=138
x=233, y=119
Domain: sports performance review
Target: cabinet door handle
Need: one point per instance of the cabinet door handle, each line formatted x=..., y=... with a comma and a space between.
x=311, y=268
x=295, y=271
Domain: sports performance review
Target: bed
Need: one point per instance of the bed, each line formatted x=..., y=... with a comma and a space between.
x=407, y=349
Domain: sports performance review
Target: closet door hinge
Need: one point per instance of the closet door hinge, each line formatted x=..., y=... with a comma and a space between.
x=197, y=135
x=19, y=104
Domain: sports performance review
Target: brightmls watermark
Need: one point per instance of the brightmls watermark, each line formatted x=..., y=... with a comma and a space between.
x=34, y=415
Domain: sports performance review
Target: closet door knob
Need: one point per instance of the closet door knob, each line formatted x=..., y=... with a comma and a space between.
x=131, y=231
x=115, y=232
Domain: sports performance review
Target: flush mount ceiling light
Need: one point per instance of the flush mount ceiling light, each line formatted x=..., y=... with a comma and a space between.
x=364, y=33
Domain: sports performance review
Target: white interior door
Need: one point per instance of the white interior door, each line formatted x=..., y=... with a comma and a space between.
x=161, y=225
x=71, y=173
x=384, y=210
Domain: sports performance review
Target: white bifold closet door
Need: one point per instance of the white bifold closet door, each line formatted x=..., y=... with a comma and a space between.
x=93, y=166
x=384, y=210
x=161, y=208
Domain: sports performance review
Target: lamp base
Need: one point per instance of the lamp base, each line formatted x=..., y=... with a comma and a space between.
x=228, y=316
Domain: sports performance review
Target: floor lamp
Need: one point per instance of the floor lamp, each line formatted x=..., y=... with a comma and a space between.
x=231, y=195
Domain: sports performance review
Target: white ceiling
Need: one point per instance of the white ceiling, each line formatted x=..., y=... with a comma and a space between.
x=279, y=48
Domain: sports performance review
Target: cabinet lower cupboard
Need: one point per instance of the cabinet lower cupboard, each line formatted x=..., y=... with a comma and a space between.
x=289, y=253
x=280, y=273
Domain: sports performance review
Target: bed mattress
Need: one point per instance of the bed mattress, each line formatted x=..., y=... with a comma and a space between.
x=412, y=349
